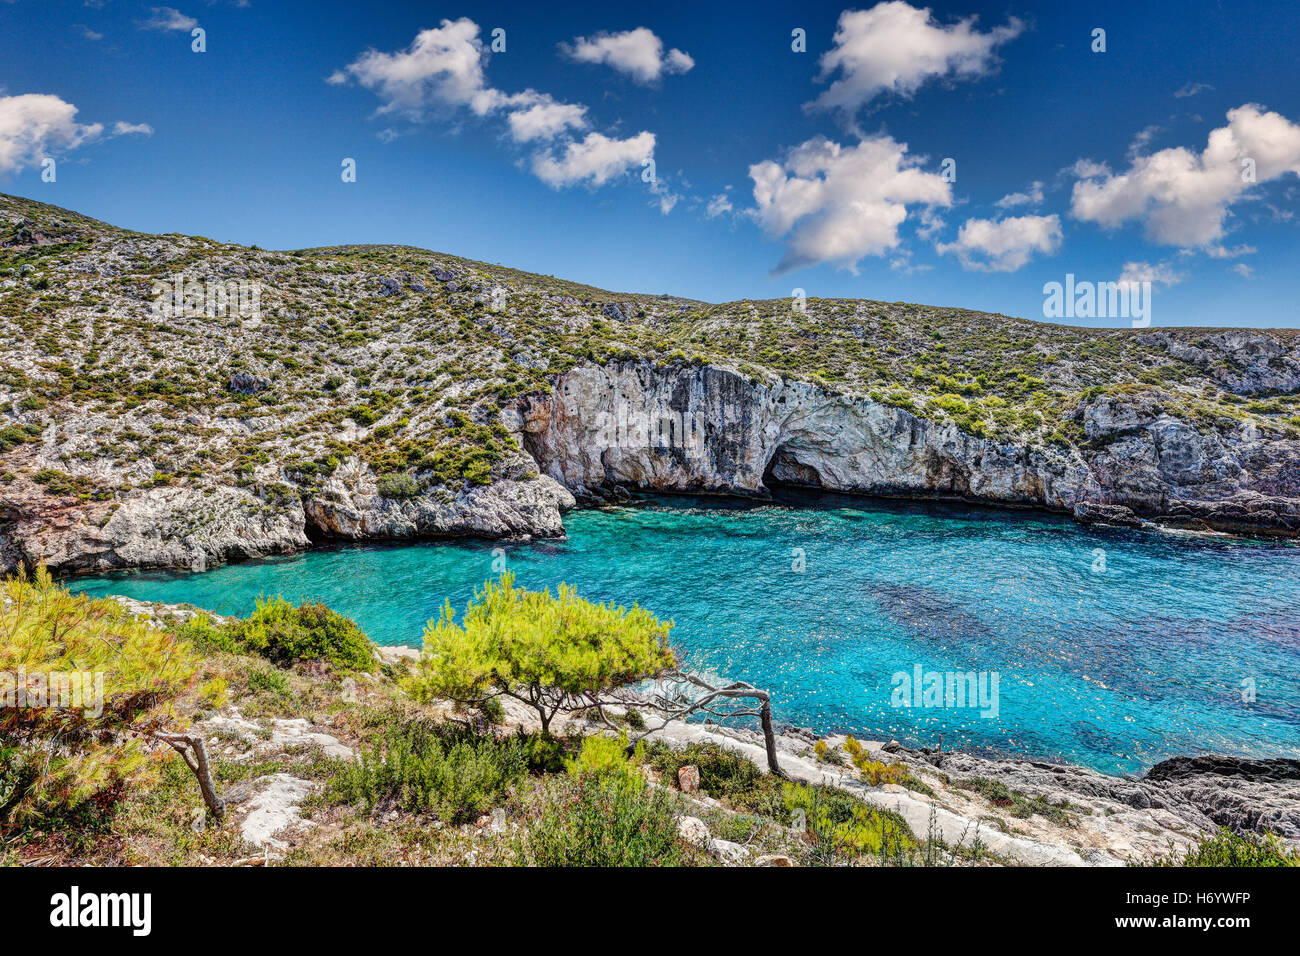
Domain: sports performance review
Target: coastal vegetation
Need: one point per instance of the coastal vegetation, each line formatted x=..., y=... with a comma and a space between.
x=552, y=653
x=85, y=689
x=404, y=776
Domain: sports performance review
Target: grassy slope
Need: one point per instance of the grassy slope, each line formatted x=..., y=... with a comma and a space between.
x=413, y=381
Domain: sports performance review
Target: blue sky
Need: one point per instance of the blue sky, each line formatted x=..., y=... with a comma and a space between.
x=1106, y=165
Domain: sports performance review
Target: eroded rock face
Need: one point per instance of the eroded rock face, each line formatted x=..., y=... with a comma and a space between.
x=1243, y=795
x=156, y=527
x=185, y=528
x=519, y=503
x=1256, y=362
x=711, y=429
x=694, y=429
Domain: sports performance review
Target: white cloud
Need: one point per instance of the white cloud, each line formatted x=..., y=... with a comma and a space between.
x=931, y=224
x=1243, y=270
x=1191, y=89
x=896, y=48
x=638, y=53
x=664, y=197
x=34, y=125
x=1032, y=197
x=718, y=205
x=132, y=129
x=1182, y=197
x=1142, y=140
x=1087, y=169
x=167, y=19
x=545, y=120
x=87, y=33
x=442, y=67
x=987, y=245
x=594, y=160
x=443, y=71
x=837, y=204
x=1161, y=273
x=1220, y=251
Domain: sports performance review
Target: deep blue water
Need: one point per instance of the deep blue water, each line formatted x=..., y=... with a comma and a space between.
x=1114, y=669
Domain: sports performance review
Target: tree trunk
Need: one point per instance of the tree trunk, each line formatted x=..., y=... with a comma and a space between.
x=198, y=763
x=769, y=737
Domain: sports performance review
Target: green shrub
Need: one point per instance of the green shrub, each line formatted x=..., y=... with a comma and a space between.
x=59, y=483
x=283, y=633
x=826, y=755
x=604, y=757
x=398, y=486
x=1226, y=848
x=723, y=773
x=493, y=711
x=443, y=768
x=270, y=681
x=64, y=757
x=842, y=825
x=546, y=754
x=603, y=814
x=545, y=650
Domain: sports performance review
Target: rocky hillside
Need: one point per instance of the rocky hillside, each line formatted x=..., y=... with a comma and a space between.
x=273, y=399
x=291, y=744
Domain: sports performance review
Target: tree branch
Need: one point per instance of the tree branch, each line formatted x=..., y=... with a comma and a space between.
x=194, y=752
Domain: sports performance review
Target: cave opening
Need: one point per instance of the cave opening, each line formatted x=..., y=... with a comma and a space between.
x=784, y=469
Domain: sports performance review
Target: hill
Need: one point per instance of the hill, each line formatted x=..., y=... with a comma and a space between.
x=173, y=401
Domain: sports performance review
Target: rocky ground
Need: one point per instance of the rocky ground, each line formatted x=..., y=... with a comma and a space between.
x=274, y=741
x=391, y=392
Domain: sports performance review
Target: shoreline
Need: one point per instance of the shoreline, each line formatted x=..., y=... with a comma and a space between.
x=788, y=496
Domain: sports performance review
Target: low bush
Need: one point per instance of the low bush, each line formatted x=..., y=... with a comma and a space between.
x=723, y=773
x=841, y=825
x=442, y=768
x=283, y=634
x=606, y=757
x=398, y=486
x=603, y=814
x=1226, y=848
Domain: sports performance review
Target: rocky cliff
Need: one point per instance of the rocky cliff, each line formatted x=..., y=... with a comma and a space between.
x=173, y=401
x=192, y=529
x=711, y=429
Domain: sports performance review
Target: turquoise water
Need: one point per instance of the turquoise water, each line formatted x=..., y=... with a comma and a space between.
x=1114, y=668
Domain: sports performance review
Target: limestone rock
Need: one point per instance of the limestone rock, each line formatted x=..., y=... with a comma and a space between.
x=1241, y=794
x=709, y=428
x=274, y=809
x=732, y=854
x=693, y=830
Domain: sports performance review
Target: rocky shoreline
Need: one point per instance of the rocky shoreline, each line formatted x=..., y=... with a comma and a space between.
x=1019, y=811
x=745, y=436
x=392, y=393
